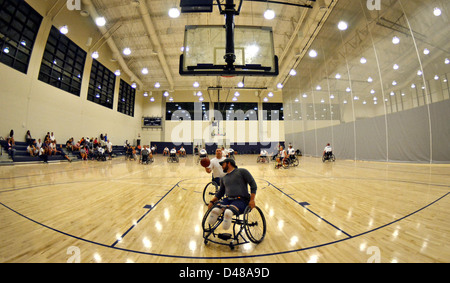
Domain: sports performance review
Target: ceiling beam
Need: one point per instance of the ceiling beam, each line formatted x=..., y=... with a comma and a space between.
x=112, y=45
x=150, y=28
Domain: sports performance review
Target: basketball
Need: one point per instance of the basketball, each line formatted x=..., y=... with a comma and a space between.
x=205, y=162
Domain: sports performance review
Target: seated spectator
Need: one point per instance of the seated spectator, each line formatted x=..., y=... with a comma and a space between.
x=69, y=144
x=43, y=154
x=29, y=140
x=61, y=152
x=83, y=152
x=31, y=150
x=11, y=148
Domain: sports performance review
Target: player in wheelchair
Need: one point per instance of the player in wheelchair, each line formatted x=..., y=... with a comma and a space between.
x=100, y=156
x=130, y=153
x=328, y=154
x=173, y=157
x=202, y=154
x=237, y=208
x=263, y=158
x=146, y=155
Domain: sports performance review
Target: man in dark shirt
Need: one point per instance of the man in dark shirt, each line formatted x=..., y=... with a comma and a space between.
x=235, y=186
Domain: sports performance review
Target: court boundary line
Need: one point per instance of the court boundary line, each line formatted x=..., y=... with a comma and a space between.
x=309, y=210
x=143, y=216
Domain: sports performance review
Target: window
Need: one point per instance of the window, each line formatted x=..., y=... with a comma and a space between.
x=63, y=63
x=127, y=96
x=236, y=111
x=19, y=26
x=101, y=85
x=187, y=111
x=273, y=112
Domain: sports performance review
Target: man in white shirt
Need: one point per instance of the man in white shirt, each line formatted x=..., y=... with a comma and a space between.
x=109, y=148
x=182, y=151
x=281, y=157
x=215, y=167
x=291, y=152
x=328, y=151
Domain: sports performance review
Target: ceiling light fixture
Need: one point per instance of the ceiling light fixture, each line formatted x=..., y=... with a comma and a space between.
x=269, y=14
x=342, y=25
x=126, y=51
x=437, y=12
x=64, y=30
x=95, y=55
x=313, y=53
x=174, y=13
x=395, y=40
x=100, y=21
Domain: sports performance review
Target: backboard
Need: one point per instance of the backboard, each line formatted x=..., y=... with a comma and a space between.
x=204, y=51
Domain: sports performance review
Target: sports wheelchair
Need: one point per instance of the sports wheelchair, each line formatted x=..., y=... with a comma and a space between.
x=263, y=159
x=210, y=191
x=146, y=159
x=173, y=158
x=329, y=157
x=252, y=221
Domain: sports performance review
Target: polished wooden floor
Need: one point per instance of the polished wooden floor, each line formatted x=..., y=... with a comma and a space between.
x=121, y=211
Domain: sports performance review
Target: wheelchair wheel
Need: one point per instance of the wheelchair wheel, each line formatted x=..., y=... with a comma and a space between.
x=295, y=162
x=285, y=163
x=333, y=158
x=323, y=158
x=209, y=191
x=205, y=225
x=254, y=224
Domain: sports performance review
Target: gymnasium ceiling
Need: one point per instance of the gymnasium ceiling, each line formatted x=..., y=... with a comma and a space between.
x=156, y=39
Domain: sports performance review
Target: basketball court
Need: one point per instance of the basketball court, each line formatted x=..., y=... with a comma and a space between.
x=119, y=211
x=369, y=77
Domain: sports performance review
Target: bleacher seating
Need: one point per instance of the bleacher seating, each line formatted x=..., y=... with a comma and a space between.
x=22, y=155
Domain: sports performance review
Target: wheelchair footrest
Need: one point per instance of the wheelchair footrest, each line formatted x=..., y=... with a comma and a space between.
x=224, y=236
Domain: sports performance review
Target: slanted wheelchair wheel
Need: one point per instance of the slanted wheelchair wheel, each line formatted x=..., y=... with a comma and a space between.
x=295, y=162
x=205, y=225
x=254, y=224
x=285, y=163
x=209, y=191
